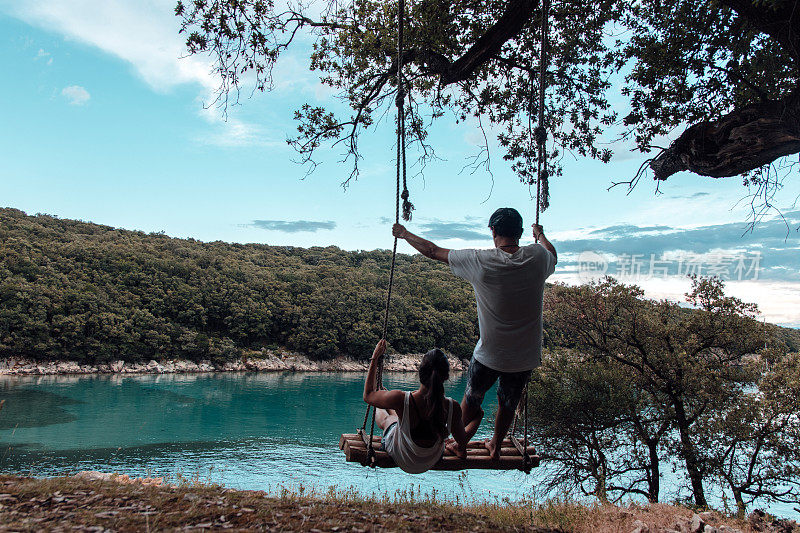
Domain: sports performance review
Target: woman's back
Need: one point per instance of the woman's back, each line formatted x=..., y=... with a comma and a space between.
x=424, y=431
x=409, y=454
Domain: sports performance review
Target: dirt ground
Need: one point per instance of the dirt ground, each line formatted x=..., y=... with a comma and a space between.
x=76, y=504
x=92, y=501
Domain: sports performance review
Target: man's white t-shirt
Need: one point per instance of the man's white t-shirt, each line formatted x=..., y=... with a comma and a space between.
x=508, y=290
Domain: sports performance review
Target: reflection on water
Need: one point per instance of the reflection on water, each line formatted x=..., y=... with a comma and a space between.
x=27, y=407
x=245, y=430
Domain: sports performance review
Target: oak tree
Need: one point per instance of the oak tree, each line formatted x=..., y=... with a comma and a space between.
x=725, y=72
x=690, y=360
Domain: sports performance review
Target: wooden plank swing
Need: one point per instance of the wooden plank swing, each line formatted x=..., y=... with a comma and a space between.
x=356, y=451
x=365, y=448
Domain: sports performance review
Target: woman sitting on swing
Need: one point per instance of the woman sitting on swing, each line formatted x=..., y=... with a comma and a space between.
x=416, y=424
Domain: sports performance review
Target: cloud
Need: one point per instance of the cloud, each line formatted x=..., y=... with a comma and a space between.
x=143, y=33
x=468, y=231
x=693, y=196
x=777, y=301
x=624, y=230
x=293, y=226
x=776, y=244
x=773, y=249
x=76, y=95
x=233, y=132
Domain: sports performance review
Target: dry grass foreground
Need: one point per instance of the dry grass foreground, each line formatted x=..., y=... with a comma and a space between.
x=86, y=503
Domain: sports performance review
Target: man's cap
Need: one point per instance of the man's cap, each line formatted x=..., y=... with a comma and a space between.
x=506, y=218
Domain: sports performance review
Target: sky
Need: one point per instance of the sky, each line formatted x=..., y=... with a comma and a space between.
x=106, y=119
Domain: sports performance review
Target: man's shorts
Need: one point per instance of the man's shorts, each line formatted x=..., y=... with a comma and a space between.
x=480, y=379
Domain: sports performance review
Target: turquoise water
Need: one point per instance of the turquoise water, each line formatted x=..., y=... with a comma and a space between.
x=244, y=430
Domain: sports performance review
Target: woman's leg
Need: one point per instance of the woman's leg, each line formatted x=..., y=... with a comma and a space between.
x=385, y=418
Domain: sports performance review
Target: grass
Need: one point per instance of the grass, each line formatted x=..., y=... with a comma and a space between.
x=121, y=504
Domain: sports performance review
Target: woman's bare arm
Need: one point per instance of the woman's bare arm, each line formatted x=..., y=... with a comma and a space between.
x=384, y=399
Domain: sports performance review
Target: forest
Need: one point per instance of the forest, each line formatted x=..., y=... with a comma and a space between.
x=92, y=293
x=634, y=388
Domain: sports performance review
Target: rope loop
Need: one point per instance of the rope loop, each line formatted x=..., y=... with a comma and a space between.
x=408, y=207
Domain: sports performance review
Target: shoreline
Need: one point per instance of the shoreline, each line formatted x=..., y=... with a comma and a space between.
x=267, y=361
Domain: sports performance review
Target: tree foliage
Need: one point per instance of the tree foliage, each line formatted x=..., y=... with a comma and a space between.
x=753, y=442
x=73, y=290
x=598, y=433
x=725, y=70
x=709, y=388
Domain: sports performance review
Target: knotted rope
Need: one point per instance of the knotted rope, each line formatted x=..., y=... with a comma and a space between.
x=408, y=207
x=542, y=185
x=542, y=189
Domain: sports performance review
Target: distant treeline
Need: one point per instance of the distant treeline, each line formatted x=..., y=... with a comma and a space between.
x=93, y=293
x=87, y=292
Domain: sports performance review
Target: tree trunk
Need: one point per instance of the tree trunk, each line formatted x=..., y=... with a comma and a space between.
x=689, y=455
x=601, y=490
x=742, y=140
x=598, y=472
x=654, y=481
x=741, y=509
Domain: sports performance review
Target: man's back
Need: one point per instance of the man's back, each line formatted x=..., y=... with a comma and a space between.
x=508, y=290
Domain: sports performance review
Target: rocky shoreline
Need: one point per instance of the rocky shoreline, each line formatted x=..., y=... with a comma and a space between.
x=267, y=361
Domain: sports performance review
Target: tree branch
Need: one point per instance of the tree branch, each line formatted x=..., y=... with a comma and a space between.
x=743, y=140
x=508, y=26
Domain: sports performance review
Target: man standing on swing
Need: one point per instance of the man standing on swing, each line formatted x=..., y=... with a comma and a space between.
x=509, y=285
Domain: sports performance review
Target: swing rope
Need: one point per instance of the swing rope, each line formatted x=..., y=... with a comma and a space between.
x=542, y=192
x=408, y=207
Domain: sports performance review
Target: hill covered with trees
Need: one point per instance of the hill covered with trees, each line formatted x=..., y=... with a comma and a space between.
x=92, y=293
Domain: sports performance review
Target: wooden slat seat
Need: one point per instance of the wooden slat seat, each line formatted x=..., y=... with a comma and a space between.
x=355, y=450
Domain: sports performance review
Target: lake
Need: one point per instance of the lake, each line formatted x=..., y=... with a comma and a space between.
x=258, y=431
x=244, y=430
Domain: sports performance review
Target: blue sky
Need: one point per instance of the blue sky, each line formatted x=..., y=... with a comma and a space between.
x=104, y=120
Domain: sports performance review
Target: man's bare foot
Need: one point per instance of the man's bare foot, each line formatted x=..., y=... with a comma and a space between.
x=494, y=451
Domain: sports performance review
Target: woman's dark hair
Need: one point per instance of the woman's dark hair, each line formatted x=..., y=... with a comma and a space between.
x=434, y=370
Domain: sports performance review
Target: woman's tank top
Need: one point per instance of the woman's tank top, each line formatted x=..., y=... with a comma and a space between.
x=408, y=455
